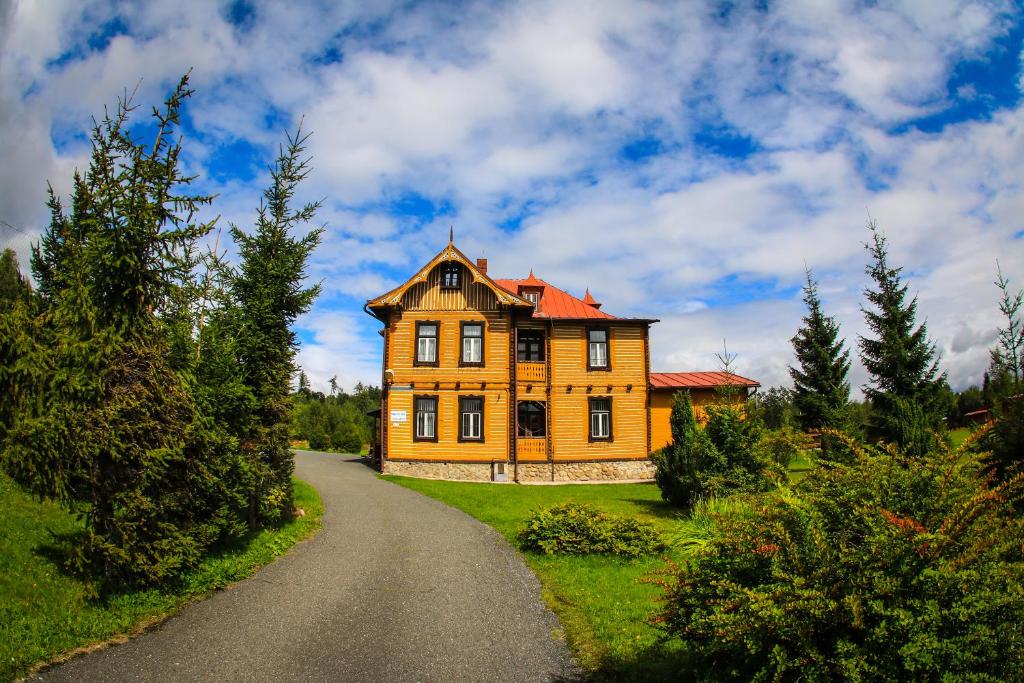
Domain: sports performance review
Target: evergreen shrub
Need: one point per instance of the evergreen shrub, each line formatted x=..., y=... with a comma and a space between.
x=896, y=567
x=577, y=529
x=722, y=458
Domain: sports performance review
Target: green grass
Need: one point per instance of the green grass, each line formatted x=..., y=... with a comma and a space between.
x=46, y=614
x=801, y=466
x=602, y=602
x=957, y=436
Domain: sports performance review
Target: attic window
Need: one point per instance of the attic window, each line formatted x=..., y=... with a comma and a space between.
x=532, y=297
x=450, y=276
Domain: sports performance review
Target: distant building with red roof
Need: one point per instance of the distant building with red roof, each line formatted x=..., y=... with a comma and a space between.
x=517, y=379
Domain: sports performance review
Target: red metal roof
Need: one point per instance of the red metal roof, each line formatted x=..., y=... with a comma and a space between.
x=554, y=302
x=699, y=380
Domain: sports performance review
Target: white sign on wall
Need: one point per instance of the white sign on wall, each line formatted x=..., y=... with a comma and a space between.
x=399, y=416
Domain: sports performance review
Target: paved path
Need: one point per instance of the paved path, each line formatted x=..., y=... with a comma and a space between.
x=396, y=587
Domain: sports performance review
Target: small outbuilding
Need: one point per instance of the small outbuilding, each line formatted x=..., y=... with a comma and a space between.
x=704, y=387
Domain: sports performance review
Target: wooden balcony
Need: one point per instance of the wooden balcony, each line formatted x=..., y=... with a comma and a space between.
x=533, y=449
x=531, y=372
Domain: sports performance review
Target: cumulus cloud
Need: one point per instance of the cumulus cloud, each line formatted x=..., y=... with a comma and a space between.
x=769, y=133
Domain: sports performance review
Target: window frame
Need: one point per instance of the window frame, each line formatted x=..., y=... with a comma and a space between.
x=607, y=348
x=451, y=268
x=590, y=419
x=519, y=422
x=483, y=408
x=437, y=344
x=542, y=347
x=416, y=417
x=462, y=343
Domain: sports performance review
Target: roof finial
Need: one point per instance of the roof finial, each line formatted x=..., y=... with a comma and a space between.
x=451, y=234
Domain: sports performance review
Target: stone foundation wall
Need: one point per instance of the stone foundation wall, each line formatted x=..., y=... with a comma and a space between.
x=611, y=470
x=462, y=471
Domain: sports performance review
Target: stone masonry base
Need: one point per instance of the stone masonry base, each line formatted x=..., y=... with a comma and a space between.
x=608, y=470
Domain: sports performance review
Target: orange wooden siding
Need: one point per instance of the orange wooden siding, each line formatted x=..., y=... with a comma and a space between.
x=661, y=411
x=402, y=348
x=570, y=409
x=401, y=444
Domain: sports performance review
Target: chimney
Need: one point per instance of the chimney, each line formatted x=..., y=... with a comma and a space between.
x=481, y=264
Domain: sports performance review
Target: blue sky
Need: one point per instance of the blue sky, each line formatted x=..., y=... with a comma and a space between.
x=682, y=160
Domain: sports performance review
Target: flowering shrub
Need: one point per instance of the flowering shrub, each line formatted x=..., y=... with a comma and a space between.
x=895, y=567
x=576, y=529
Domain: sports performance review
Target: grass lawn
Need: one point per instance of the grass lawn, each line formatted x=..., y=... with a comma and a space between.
x=601, y=601
x=45, y=614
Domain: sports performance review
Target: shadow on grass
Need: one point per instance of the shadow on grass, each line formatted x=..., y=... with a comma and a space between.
x=658, y=508
x=64, y=554
x=660, y=662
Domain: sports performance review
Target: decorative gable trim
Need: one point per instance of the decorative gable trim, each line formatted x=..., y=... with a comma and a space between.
x=447, y=255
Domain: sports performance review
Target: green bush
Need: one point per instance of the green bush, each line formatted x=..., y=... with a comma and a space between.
x=897, y=567
x=1005, y=440
x=782, y=446
x=720, y=459
x=576, y=529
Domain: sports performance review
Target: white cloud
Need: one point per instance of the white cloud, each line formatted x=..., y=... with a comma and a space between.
x=520, y=112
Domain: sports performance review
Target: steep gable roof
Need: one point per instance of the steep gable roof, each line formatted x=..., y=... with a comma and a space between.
x=450, y=254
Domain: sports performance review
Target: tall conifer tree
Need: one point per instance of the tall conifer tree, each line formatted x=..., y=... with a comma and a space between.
x=900, y=359
x=821, y=389
x=268, y=292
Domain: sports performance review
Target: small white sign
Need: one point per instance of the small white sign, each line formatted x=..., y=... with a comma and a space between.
x=399, y=416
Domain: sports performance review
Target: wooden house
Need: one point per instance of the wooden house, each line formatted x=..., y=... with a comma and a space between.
x=510, y=380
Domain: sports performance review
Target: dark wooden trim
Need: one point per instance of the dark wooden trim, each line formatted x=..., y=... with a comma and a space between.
x=461, y=274
x=612, y=459
x=607, y=367
x=544, y=342
x=451, y=462
x=513, y=404
x=611, y=419
x=437, y=421
x=547, y=411
x=647, y=375
x=549, y=431
x=463, y=363
x=385, y=407
x=416, y=345
x=483, y=414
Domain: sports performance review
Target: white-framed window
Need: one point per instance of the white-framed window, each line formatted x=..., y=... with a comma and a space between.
x=533, y=298
x=600, y=419
x=597, y=349
x=425, y=409
x=472, y=343
x=426, y=343
x=471, y=418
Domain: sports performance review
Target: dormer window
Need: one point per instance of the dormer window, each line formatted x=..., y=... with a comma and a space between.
x=450, y=276
x=532, y=297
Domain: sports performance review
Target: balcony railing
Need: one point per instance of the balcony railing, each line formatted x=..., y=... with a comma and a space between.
x=532, y=448
x=531, y=372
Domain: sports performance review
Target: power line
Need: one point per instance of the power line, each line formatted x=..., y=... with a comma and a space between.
x=14, y=227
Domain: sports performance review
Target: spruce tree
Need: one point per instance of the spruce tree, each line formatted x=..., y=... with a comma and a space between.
x=1005, y=440
x=901, y=361
x=1008, y=354
x=107, y=426
x=821, y=389
x=14, y=287
x=269, y=294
